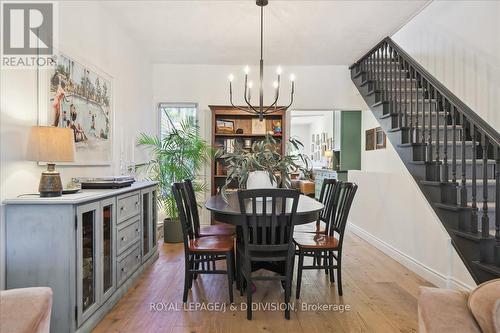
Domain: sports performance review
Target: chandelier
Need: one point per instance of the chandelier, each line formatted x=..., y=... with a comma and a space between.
x=261, y=110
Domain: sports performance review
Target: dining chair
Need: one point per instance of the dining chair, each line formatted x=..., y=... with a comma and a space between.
x=209, y=230
x=325, y=197
x=327, y=244
x=202, y=253
x=267, y=237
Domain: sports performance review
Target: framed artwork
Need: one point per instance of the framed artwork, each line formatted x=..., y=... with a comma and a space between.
x=258, y=127
x=79, y=97
x=370, y=139
x=380, y=138
x=224, y=126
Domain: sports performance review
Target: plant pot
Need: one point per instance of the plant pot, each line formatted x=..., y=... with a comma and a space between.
x=172, y=231
x=259, y=179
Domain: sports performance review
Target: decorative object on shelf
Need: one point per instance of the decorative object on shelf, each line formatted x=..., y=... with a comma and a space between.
x=370, y=139
x=329, y=158
x=277, y=127
x=179, y=155
x=51, y=144
x=239, y=131
x=105, y=182
x=261, y=110
x=78, y=97
x=264, y=156
x=380, y=138
x=225, y=126
x=258, y=127
x=247, y=143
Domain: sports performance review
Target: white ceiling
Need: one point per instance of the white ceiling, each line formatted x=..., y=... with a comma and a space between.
x=227, y=32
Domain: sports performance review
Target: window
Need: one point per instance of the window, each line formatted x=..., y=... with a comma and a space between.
x=171, y=114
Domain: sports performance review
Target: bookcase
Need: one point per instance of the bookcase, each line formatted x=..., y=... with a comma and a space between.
x=230, y=125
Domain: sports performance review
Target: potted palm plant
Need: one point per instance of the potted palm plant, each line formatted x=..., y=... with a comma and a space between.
x=263, y=166
x=179, y=155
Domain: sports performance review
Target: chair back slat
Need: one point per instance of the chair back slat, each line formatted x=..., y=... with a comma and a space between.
x=326, y=197
x=265, y=230
x=192, y=214
x=182, y=204
x=343, y=197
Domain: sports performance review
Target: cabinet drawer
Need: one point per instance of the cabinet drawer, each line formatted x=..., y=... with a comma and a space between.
x=128, y=233
x=128, y=206
x=128, y=263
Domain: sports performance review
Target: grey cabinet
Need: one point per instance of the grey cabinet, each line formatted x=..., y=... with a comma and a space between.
x=88, y=247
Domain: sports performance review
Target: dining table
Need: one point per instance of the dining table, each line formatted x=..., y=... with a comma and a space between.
x=229, y=212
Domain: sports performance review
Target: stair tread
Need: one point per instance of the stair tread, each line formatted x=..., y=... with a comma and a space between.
x=488, y=267
x=477, y=237
x=457, y=207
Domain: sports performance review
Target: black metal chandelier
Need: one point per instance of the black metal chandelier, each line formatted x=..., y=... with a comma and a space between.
x=260, y=110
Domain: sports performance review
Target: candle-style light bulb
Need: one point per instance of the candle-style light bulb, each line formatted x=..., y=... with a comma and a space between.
x=292, y=77
x=230, y=77
x=247, y=70
x=275, y=84
x=279, y=70
x=250, y=84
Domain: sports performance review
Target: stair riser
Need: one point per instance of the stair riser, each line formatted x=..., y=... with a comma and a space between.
x=479, y=193
x=468, y=170
x=458, y=151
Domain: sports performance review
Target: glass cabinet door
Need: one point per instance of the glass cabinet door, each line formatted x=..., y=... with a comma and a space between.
x=107, y=248
x=87, y=235
x=154, y=215
x=146, y=224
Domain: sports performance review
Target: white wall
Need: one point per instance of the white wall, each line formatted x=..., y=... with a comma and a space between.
x=317, y=87
x=459, y=43
x=391, y=212
x=87, y=34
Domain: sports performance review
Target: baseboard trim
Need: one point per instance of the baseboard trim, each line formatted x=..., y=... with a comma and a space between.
x=425, y=272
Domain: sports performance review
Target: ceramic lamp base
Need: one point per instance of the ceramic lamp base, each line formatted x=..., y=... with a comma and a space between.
x=50, y=182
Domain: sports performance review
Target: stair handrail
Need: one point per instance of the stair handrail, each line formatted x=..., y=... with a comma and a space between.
x=480, y=123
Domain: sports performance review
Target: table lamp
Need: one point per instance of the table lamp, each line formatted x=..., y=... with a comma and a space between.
x=329, y=156
x=51, y=144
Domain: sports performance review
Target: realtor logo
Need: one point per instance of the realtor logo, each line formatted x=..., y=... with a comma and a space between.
x=27, y=28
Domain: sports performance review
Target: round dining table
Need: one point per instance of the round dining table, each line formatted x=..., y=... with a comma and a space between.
x=308, y=209
x=229, y=212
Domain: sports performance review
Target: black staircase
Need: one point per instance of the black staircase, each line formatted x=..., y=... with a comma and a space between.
x=452, y=153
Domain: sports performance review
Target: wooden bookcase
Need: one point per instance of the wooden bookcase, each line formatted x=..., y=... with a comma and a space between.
x=241, y=120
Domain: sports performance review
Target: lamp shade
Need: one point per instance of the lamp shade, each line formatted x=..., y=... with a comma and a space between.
x=51, y=144
x=328, y=153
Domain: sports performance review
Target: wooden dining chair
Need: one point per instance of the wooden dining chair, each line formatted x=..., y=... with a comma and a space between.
x=202, y=253
x=267, y=237
x=209, y=230
x=329, y=243
x=325, y=197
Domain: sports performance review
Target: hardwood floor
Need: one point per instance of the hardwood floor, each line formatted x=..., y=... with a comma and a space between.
x=380, y=292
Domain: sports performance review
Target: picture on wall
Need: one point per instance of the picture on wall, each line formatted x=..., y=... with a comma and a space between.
x=75, y=96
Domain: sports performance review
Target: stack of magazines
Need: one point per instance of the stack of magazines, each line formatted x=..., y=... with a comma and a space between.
x=105, y=182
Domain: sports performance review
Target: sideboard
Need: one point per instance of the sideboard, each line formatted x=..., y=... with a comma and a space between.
x=89, y=247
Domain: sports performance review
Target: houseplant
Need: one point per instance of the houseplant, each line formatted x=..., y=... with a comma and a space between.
x=179, y=155
x=263, y=165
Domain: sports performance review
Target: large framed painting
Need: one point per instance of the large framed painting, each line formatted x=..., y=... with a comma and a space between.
x=80, y=97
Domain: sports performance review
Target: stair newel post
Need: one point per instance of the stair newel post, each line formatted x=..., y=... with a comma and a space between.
x=474, y=179
x=497, y=195
x=414, y=76
x=422, y=101
x=445, y=106
x=392, y=79
x=385, y=97
x=463, y=188
x=405, y=67
x=429, y=136
x=454, y=144
x=400, y=98
x=485, y=221
x=437, y=108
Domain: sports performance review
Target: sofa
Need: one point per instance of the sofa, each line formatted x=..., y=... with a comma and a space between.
x=25, y=310
x=451, y=311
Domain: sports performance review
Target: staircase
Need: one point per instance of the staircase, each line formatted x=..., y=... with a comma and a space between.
x=452, y=153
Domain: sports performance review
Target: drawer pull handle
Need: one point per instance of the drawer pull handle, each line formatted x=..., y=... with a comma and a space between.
x=136, y=203
x=123, y=269
x=137, y=256
x=121, y=208
x=123, y=238
x=137, y=230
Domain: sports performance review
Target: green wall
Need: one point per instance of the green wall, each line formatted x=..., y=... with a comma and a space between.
x=350, y=140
